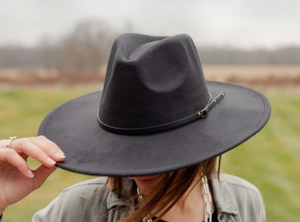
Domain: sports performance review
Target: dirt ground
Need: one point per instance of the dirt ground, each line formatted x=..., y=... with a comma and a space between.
x=262, y=76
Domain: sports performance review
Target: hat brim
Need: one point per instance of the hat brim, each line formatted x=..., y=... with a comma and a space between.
x=91, y=150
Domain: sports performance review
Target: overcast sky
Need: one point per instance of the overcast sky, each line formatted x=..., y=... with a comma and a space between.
x=241, y=23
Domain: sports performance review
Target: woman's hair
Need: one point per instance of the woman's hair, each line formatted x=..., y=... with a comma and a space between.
x=166, y=193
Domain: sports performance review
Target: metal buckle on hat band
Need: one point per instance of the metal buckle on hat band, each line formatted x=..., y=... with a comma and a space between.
x=204, y=112
x=154, y=129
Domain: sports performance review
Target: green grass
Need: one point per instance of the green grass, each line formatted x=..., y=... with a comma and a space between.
x=270, y=160
x=21, y=112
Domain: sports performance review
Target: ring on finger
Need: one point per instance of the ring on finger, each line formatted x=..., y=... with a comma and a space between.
x=10, y=139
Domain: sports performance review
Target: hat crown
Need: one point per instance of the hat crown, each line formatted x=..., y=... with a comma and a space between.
x=152, y=81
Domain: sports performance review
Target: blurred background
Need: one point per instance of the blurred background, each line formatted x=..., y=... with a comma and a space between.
x=53, y=51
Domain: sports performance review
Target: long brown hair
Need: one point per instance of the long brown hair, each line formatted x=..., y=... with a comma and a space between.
x=168, y=192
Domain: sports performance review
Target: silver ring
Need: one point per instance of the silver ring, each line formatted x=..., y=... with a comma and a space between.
x=10, y=139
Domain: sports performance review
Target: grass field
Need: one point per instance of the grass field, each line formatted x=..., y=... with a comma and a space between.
x=270, y=160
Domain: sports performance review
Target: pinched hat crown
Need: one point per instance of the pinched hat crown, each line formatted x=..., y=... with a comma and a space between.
x=152, y=81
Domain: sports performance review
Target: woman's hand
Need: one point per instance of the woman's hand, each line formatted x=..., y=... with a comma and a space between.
x=17, y=180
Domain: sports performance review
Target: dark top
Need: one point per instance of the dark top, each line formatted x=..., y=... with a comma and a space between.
x=214, y=217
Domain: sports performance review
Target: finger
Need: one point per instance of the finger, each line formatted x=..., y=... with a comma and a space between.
x=49, y=147
x=41, y=174
x=30, y=149
x=12, y=157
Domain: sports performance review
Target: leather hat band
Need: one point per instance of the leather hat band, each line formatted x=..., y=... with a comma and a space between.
x=139, y=131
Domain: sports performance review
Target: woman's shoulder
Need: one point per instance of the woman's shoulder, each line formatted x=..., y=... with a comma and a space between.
x=87, y=187
x=234, y=187
x=236, y=196
x=238, y=182
x=90, y=200
x=78, y=202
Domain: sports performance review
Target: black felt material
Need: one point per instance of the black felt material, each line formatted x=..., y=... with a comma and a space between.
x=138, y=74
x=153, y=80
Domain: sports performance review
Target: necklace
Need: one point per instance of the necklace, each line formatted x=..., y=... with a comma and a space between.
x=140, y=200
x=206, y=197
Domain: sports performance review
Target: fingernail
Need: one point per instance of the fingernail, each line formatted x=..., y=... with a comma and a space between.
x=30, y=174
x=59, y=155
x=50, y=161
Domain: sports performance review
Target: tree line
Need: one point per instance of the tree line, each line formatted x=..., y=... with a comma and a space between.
x=87, y=47
x=231, y=56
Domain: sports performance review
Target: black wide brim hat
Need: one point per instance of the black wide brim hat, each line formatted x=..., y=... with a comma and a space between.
x=156, y=113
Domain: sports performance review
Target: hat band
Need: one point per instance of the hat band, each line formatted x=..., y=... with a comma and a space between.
x=154, y=129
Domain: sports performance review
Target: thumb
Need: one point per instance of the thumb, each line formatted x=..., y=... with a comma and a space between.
x=41, y=174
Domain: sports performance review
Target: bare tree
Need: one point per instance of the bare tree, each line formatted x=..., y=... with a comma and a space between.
x=87, y=46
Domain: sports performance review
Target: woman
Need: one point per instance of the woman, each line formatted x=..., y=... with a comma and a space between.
x=156, y=134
